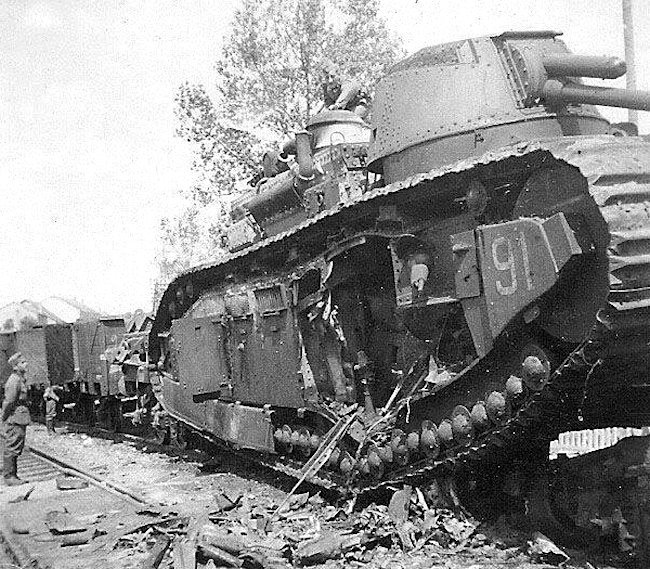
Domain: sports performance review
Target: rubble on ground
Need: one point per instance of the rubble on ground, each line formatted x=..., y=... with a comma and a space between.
x=202, y=520
x=246, y=530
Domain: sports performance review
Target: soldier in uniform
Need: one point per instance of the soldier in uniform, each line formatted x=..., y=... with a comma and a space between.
x=51, y=399
x=15, y=418
x=342, y=94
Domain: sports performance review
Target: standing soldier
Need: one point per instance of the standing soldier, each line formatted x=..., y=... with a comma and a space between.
x=15, y=418
x=51, y=399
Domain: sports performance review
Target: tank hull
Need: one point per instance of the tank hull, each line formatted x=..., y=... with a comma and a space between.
x=281, y=340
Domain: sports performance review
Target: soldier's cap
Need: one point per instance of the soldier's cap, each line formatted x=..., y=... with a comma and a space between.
x=13, y=360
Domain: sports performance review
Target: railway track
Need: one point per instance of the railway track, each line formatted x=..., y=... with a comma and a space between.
x=65, y=516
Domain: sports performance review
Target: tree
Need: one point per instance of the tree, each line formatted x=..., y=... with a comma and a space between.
x=223, y=154
x=268, y=83
x=186, y=241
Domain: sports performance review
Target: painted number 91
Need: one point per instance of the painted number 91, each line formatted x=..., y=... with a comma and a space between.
x=504, y=247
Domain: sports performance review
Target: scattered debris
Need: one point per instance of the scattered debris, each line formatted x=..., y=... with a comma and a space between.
x=70, y=483
x=219, y=555
x=298, y=500
x=184, y=554
x=329, y=545
x=307, y=531
x=227, y=501
x=398, y=508
x=149, y=512
x=80, y=538
x=157, y=552
x=543, y=550
x=60, y=523
x=213, y=535
x=22, y=496
x=241, y=526
x=19, y=527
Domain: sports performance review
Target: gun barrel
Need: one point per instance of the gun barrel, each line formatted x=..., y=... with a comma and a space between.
x=571, y=65
x=555, y=92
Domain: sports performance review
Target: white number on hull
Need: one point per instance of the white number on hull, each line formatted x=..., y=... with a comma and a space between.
x=509, y=264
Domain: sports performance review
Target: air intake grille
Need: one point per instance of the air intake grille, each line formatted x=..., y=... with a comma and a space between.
x=270, y=299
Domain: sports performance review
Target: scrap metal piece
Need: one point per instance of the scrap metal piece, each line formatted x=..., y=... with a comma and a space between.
x=219, y=555
x=319, y=458
x=70, y=483
x=60, y=523
x=157, y=552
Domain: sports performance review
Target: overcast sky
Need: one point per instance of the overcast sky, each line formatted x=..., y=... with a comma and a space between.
x=88, y=158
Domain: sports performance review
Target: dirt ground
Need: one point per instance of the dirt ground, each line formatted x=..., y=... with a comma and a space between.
x=223, y=499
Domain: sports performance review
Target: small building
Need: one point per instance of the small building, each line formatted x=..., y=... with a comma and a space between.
x=25, y=314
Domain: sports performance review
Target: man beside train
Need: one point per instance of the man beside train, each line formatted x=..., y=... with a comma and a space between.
x=15, y=418
x=51, y=399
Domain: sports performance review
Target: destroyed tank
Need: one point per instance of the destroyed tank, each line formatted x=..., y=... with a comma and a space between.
x=447, y=289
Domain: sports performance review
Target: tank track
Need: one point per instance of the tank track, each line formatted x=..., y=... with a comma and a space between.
x=547, y=407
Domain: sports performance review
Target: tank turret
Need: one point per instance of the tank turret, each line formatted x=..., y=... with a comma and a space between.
x=461, y=99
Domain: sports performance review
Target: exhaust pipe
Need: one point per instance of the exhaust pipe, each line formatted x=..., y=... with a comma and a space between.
x=305, y=158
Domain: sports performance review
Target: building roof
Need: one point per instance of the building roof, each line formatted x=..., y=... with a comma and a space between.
x=69, y=310
x=20, y=315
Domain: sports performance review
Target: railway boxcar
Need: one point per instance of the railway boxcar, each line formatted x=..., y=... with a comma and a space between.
x=48, y=349
x=91, y=340
x=96, y=362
